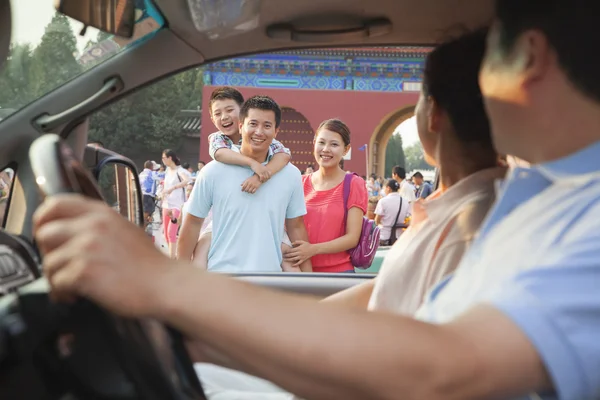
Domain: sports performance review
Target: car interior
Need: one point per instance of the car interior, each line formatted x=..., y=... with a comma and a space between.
x=44, y=346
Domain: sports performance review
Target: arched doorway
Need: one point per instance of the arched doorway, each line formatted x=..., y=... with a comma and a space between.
x=297, y=135
x=381, y=136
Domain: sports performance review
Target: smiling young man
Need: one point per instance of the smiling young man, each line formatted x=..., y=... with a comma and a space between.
x=247, y=228
x=223, y=145
x=522, y=313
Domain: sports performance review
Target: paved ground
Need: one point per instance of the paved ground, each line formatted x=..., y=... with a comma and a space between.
x=157, y=233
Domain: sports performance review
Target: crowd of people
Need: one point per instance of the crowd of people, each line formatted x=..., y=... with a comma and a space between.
x=491, y=292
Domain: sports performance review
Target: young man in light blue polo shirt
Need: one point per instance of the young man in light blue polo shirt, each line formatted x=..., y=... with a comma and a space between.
x=247, y=228
x=520, y=316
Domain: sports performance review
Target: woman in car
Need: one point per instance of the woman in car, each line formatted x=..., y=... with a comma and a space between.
x=454, y=130
x=332, y=229
x=173, y=197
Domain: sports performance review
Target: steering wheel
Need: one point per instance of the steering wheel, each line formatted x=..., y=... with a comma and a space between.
x=92, y=353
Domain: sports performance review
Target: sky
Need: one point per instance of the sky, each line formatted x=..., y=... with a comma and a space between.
x=30, y=18
x=408, y=131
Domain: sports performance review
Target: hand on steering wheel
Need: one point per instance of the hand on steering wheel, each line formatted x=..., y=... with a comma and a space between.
x=154, y=358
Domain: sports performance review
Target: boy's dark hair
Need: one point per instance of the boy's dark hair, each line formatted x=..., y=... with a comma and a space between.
x=225, y=93
x=418, y=175
x=185, y=165
x=148, y=164
x=451, y=78
x=264, y=103
x=570, y=26
x=398, y=170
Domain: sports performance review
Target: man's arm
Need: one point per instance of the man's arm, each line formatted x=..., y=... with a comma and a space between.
x=280, y=336
x=481, y=355
x=188, y=236
x=357, y=296
x=297, y=231
x=199, y=204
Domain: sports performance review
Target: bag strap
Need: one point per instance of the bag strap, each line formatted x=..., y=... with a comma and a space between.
x=347, y=184
x=397, y=215
x=181, y=180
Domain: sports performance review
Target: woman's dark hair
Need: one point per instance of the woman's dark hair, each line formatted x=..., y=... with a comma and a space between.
x=171, y=154
x=451, y=78
x=337, y=126
x=392, y=184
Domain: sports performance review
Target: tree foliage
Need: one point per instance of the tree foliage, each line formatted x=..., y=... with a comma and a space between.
x=54, y=60
x=415, y=158
x=142, y=123
x=394, y=154
x=145, y=122
x=31, y=72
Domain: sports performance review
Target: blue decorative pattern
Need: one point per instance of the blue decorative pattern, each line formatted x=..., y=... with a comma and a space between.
x=385, y=69
x=277, y=81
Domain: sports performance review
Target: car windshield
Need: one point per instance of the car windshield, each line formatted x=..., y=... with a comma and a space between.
x=48, y=49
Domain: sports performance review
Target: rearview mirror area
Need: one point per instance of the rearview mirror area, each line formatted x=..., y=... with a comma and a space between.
x=116, y=17
x=7, y=177
x=120, y=186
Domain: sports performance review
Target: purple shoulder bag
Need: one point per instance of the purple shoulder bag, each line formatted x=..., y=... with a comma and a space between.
x=363, y=254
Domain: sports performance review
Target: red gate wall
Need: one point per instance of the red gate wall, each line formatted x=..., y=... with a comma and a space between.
x=362, y=111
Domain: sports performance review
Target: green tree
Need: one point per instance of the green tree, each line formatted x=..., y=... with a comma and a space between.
x=146, y=122
x=415, y=158
x=394, y=154
x=54, y=60
x=16, y=79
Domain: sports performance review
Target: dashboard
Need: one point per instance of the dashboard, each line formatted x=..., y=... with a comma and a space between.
x=78, y=351
x=19, y=264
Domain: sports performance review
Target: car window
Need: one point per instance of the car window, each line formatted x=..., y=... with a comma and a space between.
x=374, y=90
x=47, y=50
x=6, y=180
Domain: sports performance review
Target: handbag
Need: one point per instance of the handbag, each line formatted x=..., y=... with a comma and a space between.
x=363, y=254
x=395, y=226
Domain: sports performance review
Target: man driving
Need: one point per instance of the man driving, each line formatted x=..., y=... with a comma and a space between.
x=519, y=316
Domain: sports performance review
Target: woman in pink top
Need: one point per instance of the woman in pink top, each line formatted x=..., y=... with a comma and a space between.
x=330, y=236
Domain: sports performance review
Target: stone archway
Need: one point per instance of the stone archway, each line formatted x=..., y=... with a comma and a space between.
x=381, y=136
